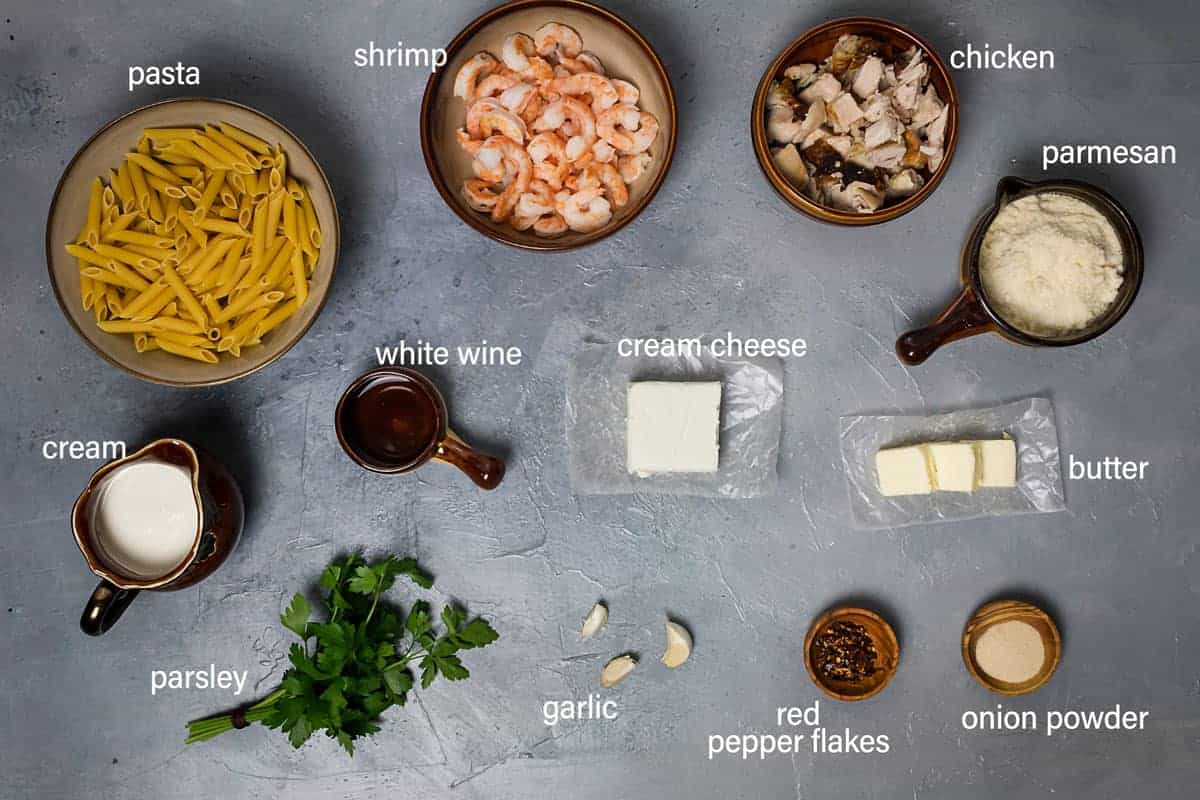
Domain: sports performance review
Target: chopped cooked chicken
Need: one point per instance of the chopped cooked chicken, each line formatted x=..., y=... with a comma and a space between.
x=790, y=163
x=877, y=106
x=866, y=82
x=886, y=129
x=885, y=156
x=825, y=87
x=841, y=144
x=863, y=128
x=933, y=157
x=856, y=196
x=905, y=183
x=814, y=119
x=779, y=97
x=913, y=157
x=800, y=73
x=781, y=124
x=843, y=112
x=928, y=107
x=935, y=132
x=904, y=98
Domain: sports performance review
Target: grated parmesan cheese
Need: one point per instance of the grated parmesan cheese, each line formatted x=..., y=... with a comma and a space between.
x=1051, y=264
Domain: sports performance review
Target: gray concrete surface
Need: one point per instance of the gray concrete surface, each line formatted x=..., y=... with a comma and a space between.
x=716, y=251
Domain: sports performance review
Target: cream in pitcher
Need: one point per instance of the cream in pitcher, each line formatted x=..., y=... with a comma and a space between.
x=161, y=519
x=145, y=518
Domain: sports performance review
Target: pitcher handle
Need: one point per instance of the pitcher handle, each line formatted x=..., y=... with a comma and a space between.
x=106, y=605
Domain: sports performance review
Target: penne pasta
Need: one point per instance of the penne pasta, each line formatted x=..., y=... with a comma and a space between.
x=199, y=243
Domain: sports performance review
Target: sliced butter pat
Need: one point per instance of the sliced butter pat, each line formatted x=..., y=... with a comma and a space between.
x=997, y=462
x=673, y=427
x=953, y=466
x=903, y=471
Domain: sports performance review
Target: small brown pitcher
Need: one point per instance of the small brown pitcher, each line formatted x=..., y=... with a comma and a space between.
x=220, y=514
x=394, y=420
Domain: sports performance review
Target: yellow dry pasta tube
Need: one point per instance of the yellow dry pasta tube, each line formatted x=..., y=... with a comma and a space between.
x=199, y=243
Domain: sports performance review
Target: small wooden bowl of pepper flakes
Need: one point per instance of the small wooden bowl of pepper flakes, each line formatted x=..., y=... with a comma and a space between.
x=851, y=653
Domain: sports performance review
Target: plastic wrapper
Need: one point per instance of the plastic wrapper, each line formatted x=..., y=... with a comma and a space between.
x=751, y=421
x=1029, y=422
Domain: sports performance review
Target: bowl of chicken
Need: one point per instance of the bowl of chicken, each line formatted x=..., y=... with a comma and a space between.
x=856, y=121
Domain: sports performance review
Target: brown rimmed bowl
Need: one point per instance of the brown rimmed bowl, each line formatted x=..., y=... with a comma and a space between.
x=106, y=149
x=1004, y=611
x=971, y=314
x=886, y=645
x=814, y=47
x=624, y=53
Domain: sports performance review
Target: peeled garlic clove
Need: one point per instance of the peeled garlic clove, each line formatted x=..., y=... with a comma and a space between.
x=679, y=645
x=597, y=618
x=616, y=671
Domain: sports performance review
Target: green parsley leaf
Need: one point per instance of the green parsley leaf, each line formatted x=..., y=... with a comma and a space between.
x=452, y=668
x=295, y=617
x=418, y=619
x=477, y=633
x=365, y=580
x=398, y=678
x=453, y=618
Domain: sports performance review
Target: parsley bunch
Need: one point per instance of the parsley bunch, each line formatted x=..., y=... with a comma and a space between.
x=351, y=668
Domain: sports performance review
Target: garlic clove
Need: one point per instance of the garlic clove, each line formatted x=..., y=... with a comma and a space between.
x=616, y=671
x=597, y=618
x=679, y=645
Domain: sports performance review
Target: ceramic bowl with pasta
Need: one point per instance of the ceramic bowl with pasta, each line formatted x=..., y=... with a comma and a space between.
x=192, y=242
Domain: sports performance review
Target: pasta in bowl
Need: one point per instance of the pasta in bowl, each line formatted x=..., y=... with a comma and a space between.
x=204, y=249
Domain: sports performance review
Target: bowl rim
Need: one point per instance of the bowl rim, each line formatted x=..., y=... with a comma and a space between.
x=842, y=612
x=145, y=376
x=811, y=208
x=440, y=182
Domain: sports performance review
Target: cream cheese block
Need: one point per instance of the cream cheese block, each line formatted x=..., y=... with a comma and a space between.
x=673, y=427
x=903, y=471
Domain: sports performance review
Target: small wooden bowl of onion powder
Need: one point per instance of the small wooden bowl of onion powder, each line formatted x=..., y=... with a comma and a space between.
x=1011, y=647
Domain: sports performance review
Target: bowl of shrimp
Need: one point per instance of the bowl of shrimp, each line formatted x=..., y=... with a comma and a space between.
x=551, y=126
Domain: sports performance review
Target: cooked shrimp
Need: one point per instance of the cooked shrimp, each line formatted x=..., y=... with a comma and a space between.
x=487, y=116
x=478, y=67
x=519, y=167
x=493, y=85
x=627, y=129
x=533, y=109
x=517, y=98
x=479, y=195
x=548, y=153
x=489, y=164
x=466, y=142
x=604, y=152
x=537, y=202
x=554, y=142
x=606, y=175
x=516, y=50
x=570, y=109
x=550, y=226
x=588, y=84
x=584, y=62
x=628, y=93
x=557, y=39
x=585, y=211
x=633, y=166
